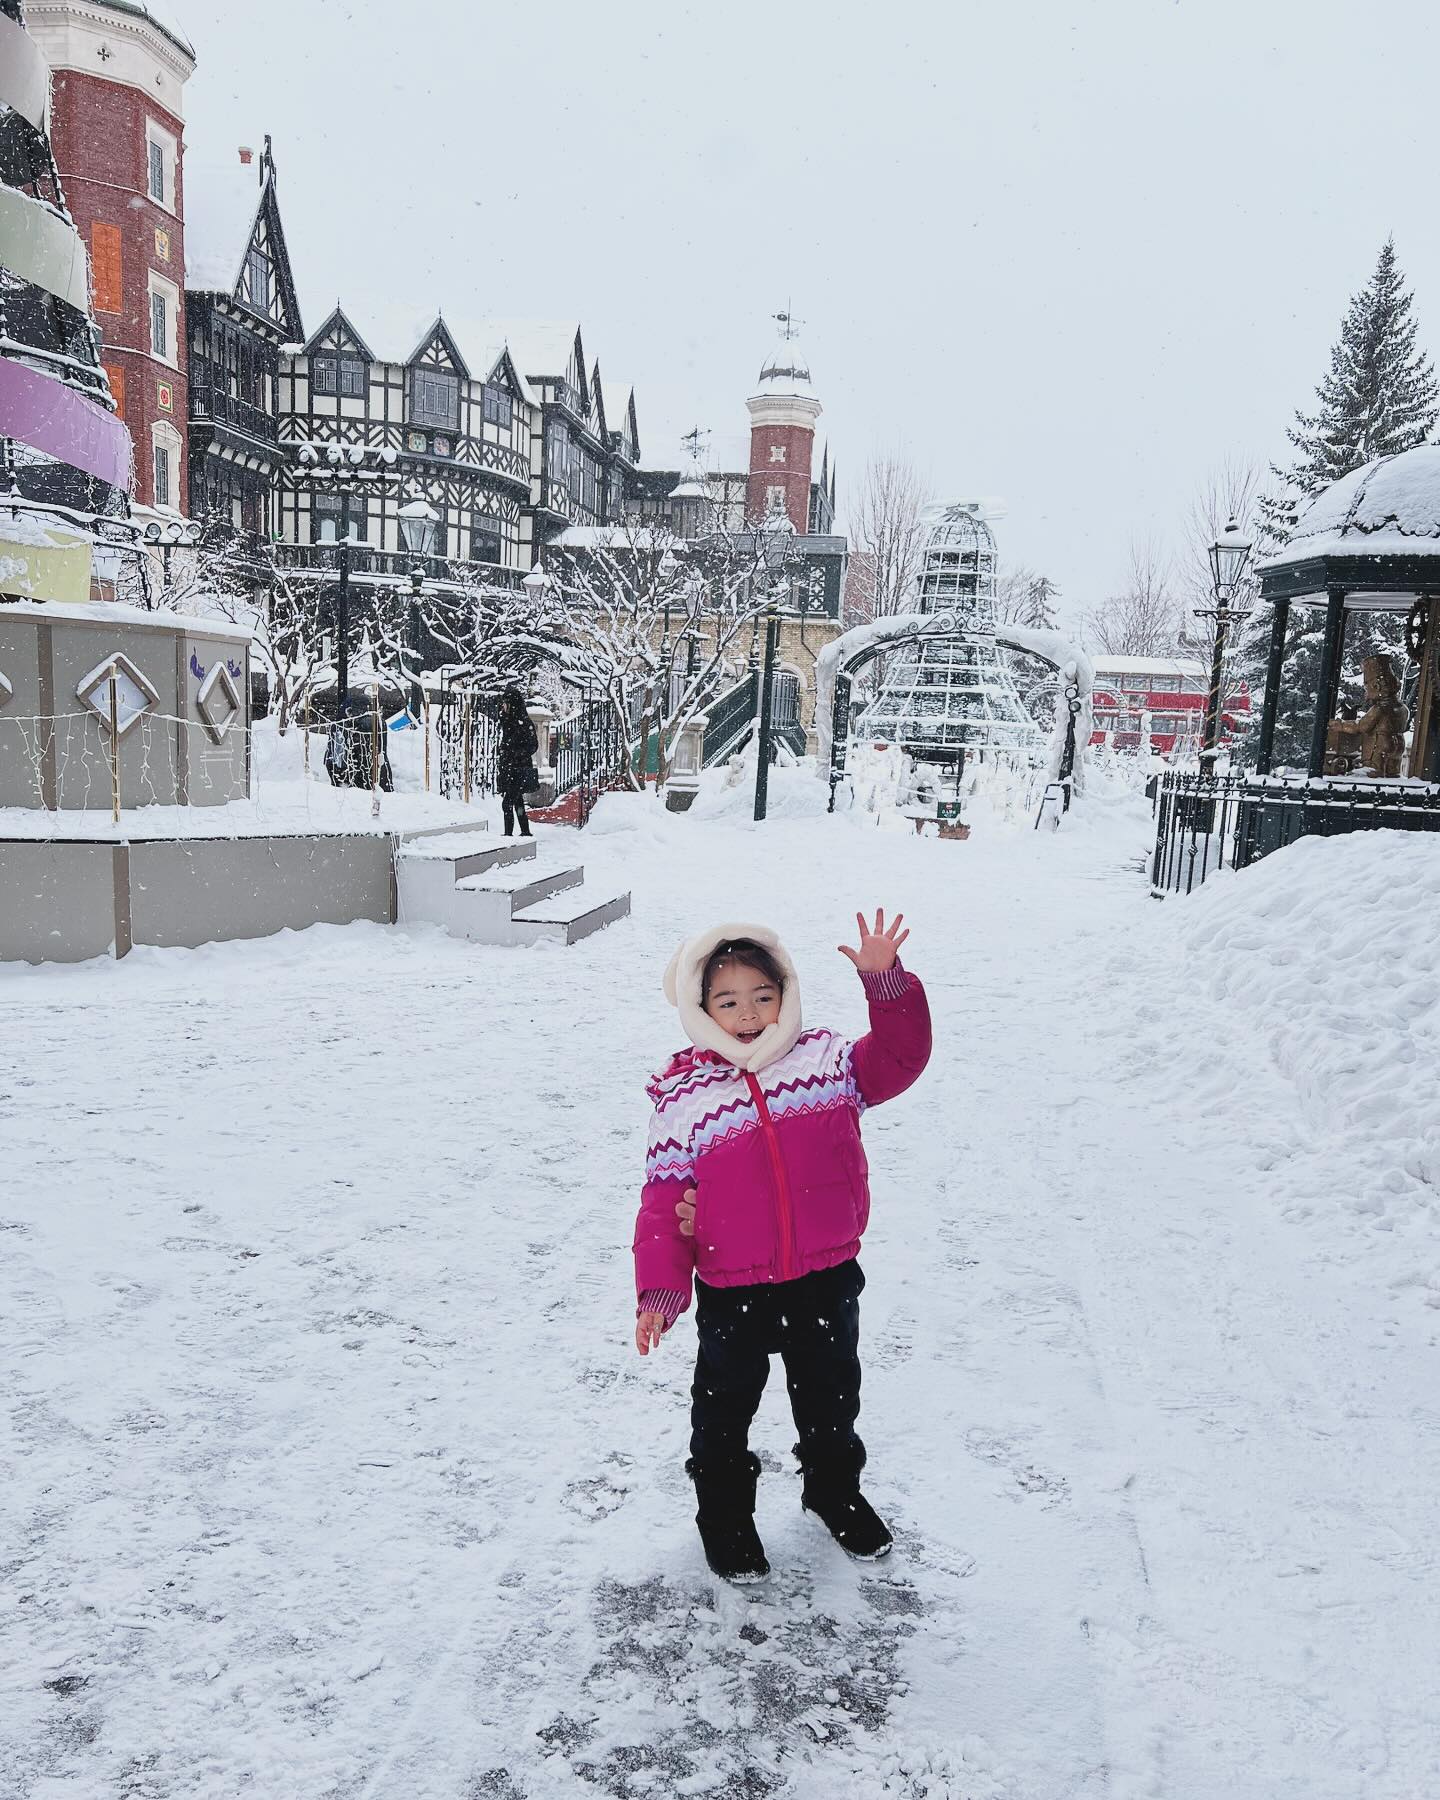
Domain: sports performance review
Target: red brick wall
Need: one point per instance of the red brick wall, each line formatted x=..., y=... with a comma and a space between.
x=97, y=129
x=793, y=474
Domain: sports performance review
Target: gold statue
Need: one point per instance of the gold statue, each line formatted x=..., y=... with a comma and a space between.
x=1379, y=733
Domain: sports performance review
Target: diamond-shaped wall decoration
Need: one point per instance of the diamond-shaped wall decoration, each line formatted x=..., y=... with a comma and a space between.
x=133, y=693
x=218, y=702
x=7, y=693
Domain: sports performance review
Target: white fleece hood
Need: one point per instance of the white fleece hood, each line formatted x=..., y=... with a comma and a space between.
x=684, y=981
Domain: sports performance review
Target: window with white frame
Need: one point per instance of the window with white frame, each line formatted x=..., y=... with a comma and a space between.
x=160, y=154
x=774, y=500
x=777, y=453
x=164, y=319
x=165, y=465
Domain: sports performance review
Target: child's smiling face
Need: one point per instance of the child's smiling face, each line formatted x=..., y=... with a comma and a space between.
x=742, y=1000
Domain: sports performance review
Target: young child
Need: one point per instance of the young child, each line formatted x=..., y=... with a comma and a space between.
x=756, y=1183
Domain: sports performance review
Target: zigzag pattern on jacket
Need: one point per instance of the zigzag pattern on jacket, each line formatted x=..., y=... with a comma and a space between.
x=702, y=1104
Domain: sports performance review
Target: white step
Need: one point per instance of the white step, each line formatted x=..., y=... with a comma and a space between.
x=504, y=894
x=569, y=917
x=524, y=885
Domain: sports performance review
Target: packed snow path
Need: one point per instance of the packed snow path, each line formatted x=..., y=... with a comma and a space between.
x=332, y=1473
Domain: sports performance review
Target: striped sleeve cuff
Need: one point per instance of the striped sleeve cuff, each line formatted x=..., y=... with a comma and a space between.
x=886, y=984
x=664, y=1301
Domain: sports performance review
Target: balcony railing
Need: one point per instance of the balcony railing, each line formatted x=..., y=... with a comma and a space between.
x=224, y=409
x=368, y=563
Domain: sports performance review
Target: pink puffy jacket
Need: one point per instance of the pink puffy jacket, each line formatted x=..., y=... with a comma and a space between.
x=775, y=1157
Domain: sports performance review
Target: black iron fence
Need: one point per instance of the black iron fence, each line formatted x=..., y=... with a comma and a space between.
x=1229, y=821
x=1195, y=829
x=589, y=753
x=467, y=735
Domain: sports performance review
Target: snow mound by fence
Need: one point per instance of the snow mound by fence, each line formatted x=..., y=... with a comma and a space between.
x=1327, y=956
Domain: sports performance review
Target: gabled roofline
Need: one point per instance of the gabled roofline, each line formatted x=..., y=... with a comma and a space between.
x=280, y=249
x=342, y=318
x=438, y=324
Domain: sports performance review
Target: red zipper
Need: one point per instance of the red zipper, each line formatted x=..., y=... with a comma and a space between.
x=785, y=1217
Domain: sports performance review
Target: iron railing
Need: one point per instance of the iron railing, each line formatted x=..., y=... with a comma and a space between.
x=729, y=719
x=1203, y=824
x=1195, y=829
x=215, y=404
x=393, y=565
x=589, y=753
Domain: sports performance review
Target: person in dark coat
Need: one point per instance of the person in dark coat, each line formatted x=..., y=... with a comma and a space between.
x=518, y=748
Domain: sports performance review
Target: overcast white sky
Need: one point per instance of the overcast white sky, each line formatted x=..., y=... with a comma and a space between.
x=1072, y=253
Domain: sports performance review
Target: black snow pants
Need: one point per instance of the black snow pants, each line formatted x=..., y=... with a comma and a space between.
x=512, y=809
x=814, y=1324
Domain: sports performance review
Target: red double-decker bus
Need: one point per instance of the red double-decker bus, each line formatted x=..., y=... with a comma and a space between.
x=1172, y=690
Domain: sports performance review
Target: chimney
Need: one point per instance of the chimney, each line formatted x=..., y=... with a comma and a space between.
x=247, y=156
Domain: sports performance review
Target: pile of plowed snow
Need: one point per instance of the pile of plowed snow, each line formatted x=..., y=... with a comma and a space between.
x=1328, y=955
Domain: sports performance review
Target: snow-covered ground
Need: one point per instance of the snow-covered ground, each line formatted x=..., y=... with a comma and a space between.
x=332, y=1474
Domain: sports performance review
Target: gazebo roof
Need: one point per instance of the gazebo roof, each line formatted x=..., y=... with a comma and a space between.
x=1378, y=527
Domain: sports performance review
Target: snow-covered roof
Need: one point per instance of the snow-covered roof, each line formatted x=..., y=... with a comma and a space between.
x=610, y=537
x=1391, y=507
x=786, y=370
x=222, y=202
x=159, y=17
x=539, y=346
x=399, y=329
x=1105, y=664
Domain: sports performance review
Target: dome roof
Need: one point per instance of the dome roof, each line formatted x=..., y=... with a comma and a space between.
x=786, y=370
x=1390, y=506
x=961, y=526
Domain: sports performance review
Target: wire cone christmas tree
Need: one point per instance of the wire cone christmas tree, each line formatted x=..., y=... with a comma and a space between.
x=952, y=690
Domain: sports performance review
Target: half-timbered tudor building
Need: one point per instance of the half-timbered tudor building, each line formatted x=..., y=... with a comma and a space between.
x=460, y=424
x=240, y=307
x=498, y=425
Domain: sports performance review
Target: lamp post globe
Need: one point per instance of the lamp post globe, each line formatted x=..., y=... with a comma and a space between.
x=1229, y=557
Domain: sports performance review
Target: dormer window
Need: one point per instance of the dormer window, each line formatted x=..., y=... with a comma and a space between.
x=498, y=408
x=435, y=398
x=341, y=374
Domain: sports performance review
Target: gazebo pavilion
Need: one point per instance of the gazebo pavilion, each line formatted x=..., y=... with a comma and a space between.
x=1368, y=543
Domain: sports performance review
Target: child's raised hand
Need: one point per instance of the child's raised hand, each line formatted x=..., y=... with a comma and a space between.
x=649, y=1329
x=685, y=1213
x=878, y=948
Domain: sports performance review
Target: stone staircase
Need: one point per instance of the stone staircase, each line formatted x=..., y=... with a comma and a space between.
x=506, y=893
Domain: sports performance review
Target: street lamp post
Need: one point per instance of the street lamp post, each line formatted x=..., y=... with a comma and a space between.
x=776, y=537
x=418, y=521
x=346, y=470
x=1229, y=555
x=168, y=536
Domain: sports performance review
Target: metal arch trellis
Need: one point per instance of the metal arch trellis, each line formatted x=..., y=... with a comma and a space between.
x=928, y=625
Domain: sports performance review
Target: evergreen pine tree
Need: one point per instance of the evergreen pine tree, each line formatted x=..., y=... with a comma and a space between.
x=1038, y=611
x=1379, y=398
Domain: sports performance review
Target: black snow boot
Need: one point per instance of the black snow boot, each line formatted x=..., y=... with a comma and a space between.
x=848, y=1516
x=726, y=1517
